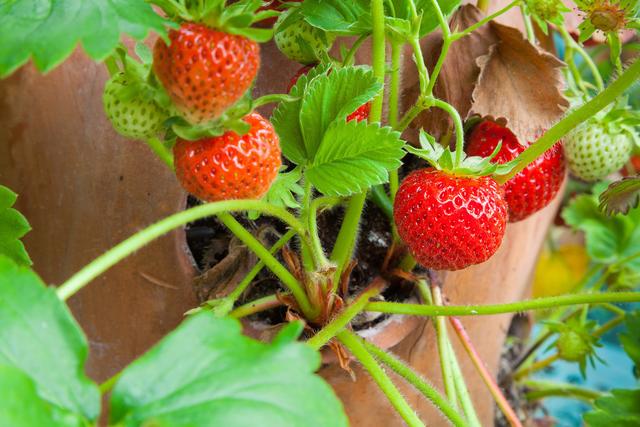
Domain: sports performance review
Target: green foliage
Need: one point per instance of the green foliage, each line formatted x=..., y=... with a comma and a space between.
x=620, y=409
x=610, y=240
x=332, y=97
x=13, y=225
x=40, y=339
x=206, y=373
x=630, y=339
x=21, y=405
x=443, y=159
x=284, y=189
x=354, y=156
x=48, y=30
x=354, y=17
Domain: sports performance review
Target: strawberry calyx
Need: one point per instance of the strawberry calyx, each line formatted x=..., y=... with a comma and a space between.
x=235, y=18
x=443, y=159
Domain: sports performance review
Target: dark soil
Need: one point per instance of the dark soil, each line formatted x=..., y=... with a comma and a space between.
x=209, y=241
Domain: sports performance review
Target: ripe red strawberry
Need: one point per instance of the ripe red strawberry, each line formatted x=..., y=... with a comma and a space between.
x=205, y=71
x=230, y=166
x=360, y=114
x=533, y=188
x=450, y=222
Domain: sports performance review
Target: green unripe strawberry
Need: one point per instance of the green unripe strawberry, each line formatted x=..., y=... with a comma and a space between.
x=593, y=151
x=298, y=40
x=131, y=114
x=572, y=346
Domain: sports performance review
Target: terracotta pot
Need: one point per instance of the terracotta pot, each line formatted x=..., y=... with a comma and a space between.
x=84, y=189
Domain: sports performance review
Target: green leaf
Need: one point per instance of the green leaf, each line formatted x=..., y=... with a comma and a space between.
x=20, y=404
x=621, y=196
x=354, y=156
x=354, y=17
x=332, y=97
x=49, y=30
x=338, y=16
x=283, y=189
x=286, y=119
x=206, y=373
x=40, y=337
x=609, y=239
x=630, y=339
x=13, y=225
x=620, y=409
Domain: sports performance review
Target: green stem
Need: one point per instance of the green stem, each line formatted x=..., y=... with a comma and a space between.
x=446, y=42
x=443, y=351
x=316, y=243
x=410, y=116
x=261, y=304
x=418, y=58
x=462, y=391
x=242, y=286
x=346, y=240
x=112, y=65
x=457, y=121
x=142, y=238
x=272, y=98
x=348, y=59
x=161, y=151
x=420, y=384
x=394, y=104
x=569, y=41
x=528, y=26
x=382, y=200
x=483, y=21
x=288, y=279
x=569, y=58
x=542, y=389
x=483, y=5
x=107, y=386
x=353, y=344
x=535, y=367
x=609, y=325
x=342, y=320
x=579, y=115
x=486, y=376
x=514, y=307
x=307, y=252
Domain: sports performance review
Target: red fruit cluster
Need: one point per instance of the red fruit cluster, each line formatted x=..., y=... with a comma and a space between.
x=534, y=187
x=230, y=166
x=450, y=222
x=360, y=114
x=205, y=71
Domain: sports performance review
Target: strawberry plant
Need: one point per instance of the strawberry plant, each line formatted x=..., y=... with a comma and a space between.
x=490, y=152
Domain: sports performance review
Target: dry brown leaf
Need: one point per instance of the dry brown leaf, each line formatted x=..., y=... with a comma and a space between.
x=520, y=83
x=219, y=280
x=459, y=72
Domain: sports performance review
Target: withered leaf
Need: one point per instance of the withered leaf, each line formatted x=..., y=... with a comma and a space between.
x=519, y=83
x=459, y=72
x=219, y=280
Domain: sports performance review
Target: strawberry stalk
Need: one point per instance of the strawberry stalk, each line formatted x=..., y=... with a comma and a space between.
x=513, y=307
x=142, y=238
x=352, y=342
x=528, y=26
x=427, y=390
x=494, y=389
x=261, y=304
x=579, y=115
x=161, y=151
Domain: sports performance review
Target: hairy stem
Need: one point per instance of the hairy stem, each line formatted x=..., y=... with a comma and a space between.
x=487, y=378
x=542, y=389
x=285, y=276
x=353, y=344
x=142, y=238
x=528, y=26
x=514, y=307
x=244, y=284
x=457, y=121
x=443, y=350
x=161, y=151
x=577, y=116
x=420, y=384
x=535, y=367
x=483, y=21
x=342, y=320
x=261, y=304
